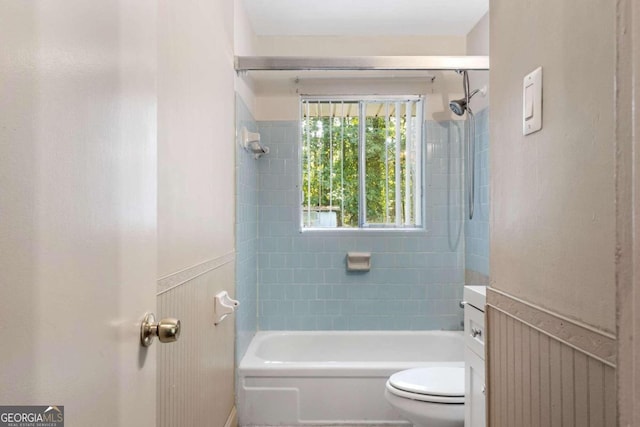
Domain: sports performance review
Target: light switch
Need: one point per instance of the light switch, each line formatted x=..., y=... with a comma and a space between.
x=532, y=102
x=528, y=102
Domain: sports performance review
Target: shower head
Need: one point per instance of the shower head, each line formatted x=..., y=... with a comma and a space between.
x=459, y=106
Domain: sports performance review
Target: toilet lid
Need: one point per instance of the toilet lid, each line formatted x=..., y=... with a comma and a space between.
x=441, y=381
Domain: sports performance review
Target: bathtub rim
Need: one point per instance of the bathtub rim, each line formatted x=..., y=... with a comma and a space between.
x=253, y=366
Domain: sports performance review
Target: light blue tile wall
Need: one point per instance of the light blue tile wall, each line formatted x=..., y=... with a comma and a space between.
x=477, y=229
x=246, y=234
x=416, y=278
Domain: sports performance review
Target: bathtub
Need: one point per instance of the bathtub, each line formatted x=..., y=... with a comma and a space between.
x=327, y=378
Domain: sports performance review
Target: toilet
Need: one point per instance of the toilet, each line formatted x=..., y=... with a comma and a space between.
x=428, y=397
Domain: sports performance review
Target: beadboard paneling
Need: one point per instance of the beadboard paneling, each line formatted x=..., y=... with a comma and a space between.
x=537, y=380
x=196, y=373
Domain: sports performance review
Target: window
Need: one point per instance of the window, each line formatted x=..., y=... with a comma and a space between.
x=361, y=162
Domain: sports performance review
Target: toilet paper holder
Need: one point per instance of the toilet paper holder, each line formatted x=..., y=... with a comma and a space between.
x=224, y=305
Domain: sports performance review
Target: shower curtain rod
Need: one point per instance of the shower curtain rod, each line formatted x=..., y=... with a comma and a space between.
x=344, y=63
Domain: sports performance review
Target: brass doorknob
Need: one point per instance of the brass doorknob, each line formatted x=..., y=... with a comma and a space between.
x=167, y=330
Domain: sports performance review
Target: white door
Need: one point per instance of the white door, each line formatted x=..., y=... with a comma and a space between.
x=78, y=207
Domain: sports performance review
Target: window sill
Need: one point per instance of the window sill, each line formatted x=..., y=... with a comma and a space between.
x=364, y=231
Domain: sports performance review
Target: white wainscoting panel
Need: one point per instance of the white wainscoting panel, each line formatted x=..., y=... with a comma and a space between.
x=196, y=373
x=536, y=379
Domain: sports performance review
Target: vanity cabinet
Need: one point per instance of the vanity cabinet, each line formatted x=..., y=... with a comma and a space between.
x=474, y=356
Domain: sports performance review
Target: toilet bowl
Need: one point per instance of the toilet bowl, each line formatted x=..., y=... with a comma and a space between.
x=428, y=397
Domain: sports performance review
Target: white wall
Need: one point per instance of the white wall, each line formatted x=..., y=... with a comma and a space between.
x=195, y=130
x=552, y=192
x=478, y=44
x=359, y=45
x=244, y=45
x=244, y=39
x=196, y=207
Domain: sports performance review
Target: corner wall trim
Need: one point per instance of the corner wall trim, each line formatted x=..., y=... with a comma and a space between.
x=594, y=343
x=181, y=277
x=232, y=420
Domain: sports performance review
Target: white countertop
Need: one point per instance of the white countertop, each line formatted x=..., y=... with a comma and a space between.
x=476, y=296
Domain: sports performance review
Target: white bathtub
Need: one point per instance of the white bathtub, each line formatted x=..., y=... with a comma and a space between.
x=333, y=378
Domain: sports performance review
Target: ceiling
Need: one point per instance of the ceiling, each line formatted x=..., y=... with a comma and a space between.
x=364, y=17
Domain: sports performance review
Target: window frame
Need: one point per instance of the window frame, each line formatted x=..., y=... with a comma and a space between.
x=361, y=100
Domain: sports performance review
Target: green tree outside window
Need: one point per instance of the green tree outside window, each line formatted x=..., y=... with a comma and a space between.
x=361, y=163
